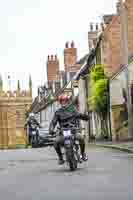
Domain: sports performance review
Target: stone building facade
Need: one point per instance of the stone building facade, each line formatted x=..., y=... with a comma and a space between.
x=113, y=62
x=13, y=108
x=118, y=96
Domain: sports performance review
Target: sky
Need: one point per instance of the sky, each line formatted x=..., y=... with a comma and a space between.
x=30, y=30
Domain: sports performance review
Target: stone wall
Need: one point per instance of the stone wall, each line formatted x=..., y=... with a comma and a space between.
x=12, y=118
x=119, y=132
x=3, y=129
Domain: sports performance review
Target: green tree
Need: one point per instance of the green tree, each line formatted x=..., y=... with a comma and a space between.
x=99, y=99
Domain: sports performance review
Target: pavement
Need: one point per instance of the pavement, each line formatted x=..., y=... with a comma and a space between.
x=33, y=174
x=122, y=146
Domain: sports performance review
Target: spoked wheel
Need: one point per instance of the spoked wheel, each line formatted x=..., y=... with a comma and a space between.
x=71, y=159
x=34, y=141
x=77, y=154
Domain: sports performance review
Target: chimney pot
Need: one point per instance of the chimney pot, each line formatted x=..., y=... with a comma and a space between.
x=91, y=27
x=52, y=57
x=55, y=57
x=66, y=45
x=72, y=44
x=96, y=27
x=118, y=6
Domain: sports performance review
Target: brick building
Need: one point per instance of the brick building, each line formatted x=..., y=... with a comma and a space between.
x=113, y=62
x=111, y=47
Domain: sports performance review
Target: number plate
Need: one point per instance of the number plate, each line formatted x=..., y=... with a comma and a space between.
x=67, y=133
x=76, y=142
x=33, y=132
x=67, y=142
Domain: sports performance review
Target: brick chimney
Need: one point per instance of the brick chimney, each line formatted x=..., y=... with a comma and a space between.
x=118, y=7
x=52, y=68
x=92, y=35
x=70, y=56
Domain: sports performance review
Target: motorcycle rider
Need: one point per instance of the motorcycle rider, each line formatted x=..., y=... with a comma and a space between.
x=31, y=122
x=65, y=116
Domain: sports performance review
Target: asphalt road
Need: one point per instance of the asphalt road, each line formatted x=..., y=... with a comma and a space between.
x=33, y=174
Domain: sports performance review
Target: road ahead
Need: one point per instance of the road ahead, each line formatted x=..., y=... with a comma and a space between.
x=33, y=174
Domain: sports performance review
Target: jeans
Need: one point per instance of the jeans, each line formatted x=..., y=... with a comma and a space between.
x=59, y=141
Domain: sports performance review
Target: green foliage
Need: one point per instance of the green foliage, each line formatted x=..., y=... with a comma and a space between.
x=99, y=100
x=122, y=126
x=50, y=98
x=99, y=90
x=97, y=74
x=125, y=123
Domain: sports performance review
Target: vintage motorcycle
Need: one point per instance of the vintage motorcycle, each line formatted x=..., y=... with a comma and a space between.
x=71, y=147
x=34, y=135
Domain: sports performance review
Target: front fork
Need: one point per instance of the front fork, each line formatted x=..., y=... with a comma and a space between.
x=77, y=152
x=73, y=147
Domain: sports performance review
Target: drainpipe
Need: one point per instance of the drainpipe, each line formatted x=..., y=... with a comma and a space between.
x=109, y=112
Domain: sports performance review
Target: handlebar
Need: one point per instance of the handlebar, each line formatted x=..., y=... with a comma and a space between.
x=71, y=128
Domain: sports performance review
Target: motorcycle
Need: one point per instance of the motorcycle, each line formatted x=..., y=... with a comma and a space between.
x=71, y=148
x=34, y=135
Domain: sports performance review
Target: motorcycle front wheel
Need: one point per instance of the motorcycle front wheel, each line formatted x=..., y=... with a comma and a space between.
x=71, y=159
x=34, y=141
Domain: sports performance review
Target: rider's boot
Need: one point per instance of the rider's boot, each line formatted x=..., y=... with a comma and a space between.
x=83, y=154
x=61, y=161
x=84, y=157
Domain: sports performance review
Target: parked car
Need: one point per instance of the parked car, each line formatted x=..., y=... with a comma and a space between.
x=45, y=139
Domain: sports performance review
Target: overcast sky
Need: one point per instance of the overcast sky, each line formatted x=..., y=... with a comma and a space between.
x=32, y=29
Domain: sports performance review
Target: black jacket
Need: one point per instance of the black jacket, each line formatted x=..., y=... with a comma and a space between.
x=66, y=118
x=32, y=122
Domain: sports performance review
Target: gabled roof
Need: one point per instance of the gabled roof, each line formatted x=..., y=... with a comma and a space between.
x=107, y=18
x=90, y=58
x=83, y=59
x=122, y=68
x=113, y=20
